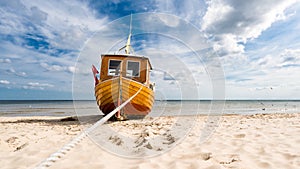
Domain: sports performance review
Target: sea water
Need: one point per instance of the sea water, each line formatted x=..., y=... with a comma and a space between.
x=160, y=108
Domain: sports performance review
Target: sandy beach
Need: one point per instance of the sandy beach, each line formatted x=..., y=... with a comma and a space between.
x=235, y=141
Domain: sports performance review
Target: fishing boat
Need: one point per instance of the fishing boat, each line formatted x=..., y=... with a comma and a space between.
x=121, y=77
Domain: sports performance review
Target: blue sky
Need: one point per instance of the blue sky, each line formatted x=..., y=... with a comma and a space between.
x=257, y=42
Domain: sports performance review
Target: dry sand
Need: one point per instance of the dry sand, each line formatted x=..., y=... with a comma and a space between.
x=252, y=141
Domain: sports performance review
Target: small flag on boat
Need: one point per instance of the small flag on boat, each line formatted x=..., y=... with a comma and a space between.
x=95, y=72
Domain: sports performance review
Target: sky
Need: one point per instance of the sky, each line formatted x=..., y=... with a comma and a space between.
x=214, y=49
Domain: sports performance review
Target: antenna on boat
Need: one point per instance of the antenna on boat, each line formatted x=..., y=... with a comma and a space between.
x=128, y=48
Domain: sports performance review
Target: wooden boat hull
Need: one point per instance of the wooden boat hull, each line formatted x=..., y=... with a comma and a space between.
x=107, y=94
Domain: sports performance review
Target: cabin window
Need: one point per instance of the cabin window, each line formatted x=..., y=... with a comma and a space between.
x=114, y=67
x=133, y=69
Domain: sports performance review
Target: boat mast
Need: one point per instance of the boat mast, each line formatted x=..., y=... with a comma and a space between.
x=128, y=46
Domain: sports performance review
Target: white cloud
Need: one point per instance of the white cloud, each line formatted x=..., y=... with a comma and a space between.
x=17, y=73
x=5, y=82
x=290, y=57
x=273, y=76
x=43, y=39
x=57, y=68
x=191, y=10
x=287, y=58
x=37, y=85
x=36, y=15
x=71, y=69
x=22, y=74
x=52, y=67
x=67, y=25
x=27, y=67
x=6, y=60
x=227, y=44
x=236, y=22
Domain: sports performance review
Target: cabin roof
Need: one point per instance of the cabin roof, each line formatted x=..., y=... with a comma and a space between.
x=128, y=56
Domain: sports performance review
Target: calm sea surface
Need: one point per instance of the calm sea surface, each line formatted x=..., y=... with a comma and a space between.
x=161, y=108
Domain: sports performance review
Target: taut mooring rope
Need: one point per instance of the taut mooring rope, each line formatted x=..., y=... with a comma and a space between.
x=63, y=151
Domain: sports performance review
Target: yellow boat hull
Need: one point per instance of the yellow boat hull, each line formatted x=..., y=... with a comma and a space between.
x=107, y=94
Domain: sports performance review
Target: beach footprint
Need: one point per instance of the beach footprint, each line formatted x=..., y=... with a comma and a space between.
x=226, y=159
x=116, y=140
x=241, y=135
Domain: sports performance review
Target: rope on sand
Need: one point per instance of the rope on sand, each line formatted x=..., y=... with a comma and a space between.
x=63, y=151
